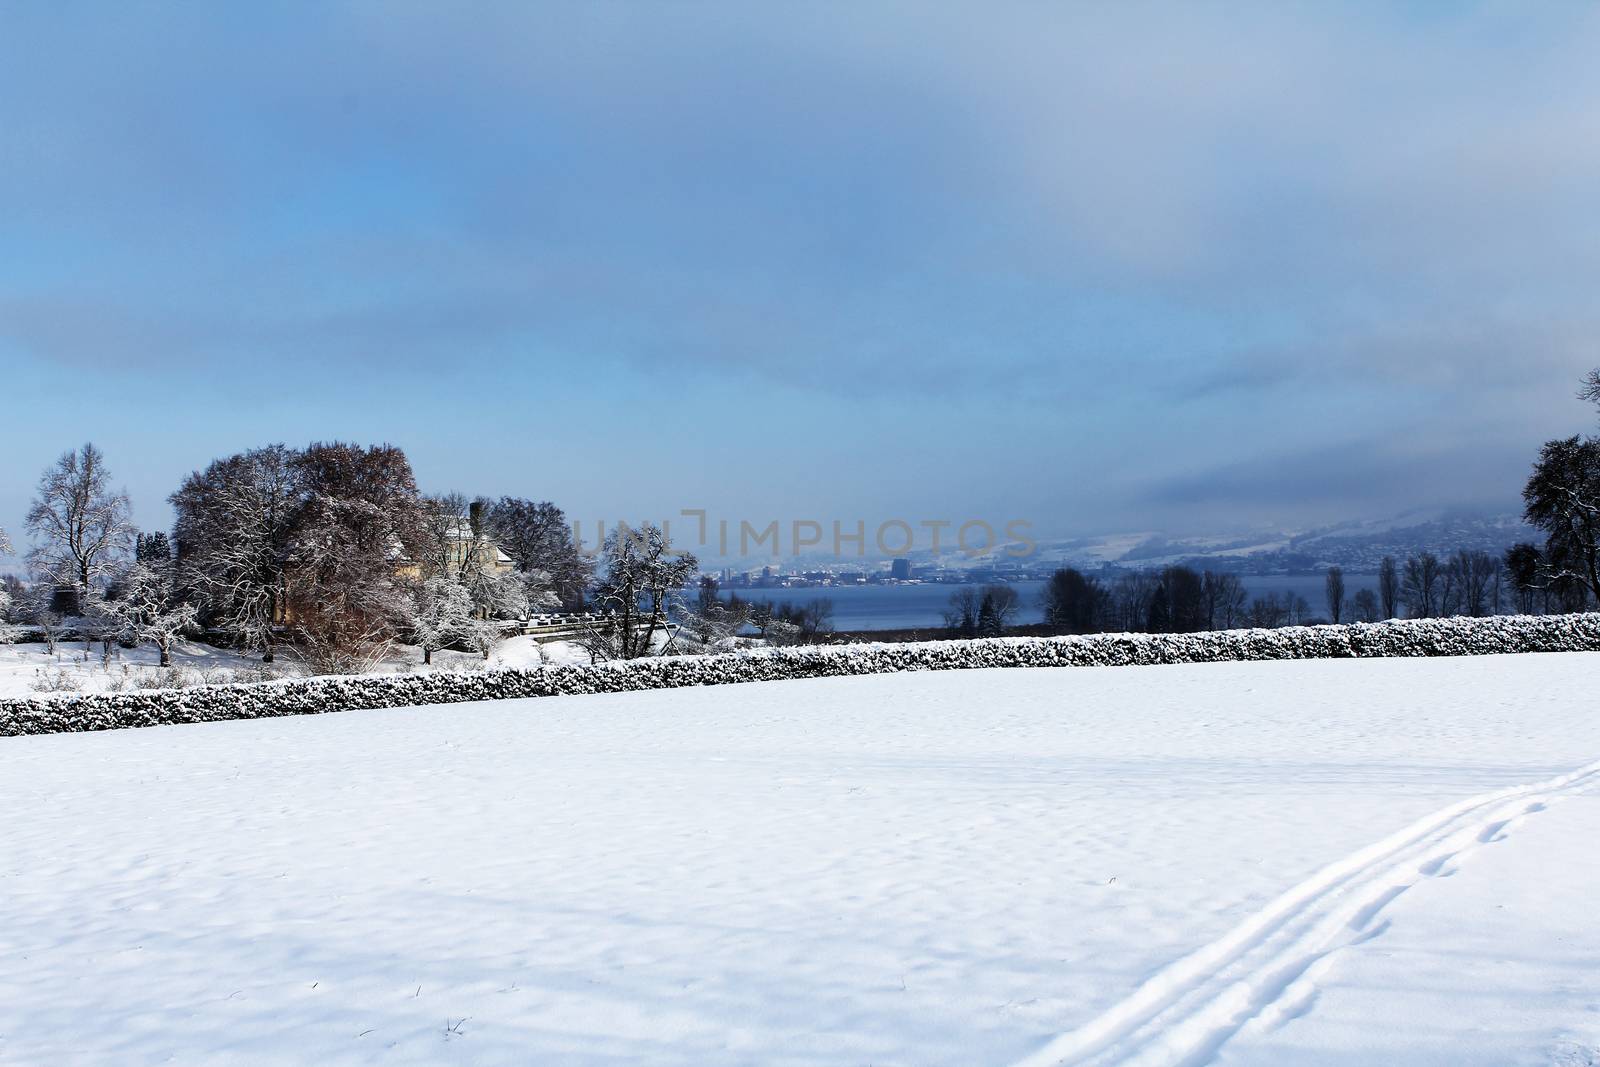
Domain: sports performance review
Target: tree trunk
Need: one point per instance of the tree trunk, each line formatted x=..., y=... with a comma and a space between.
x=427, y=656
x=272, y=620
x=166, y=656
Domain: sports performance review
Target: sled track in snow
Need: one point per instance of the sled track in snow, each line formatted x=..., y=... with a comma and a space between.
x=1262, y=969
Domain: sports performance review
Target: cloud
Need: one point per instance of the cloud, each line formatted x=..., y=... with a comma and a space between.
x=1136, y=238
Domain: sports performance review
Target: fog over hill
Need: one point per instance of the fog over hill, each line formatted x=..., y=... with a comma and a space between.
x=1357, y=545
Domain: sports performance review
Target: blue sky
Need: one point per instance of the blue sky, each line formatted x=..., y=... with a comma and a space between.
x=1100, y=267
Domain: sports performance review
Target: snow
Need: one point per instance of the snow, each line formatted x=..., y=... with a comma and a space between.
x=23, y=664
x=1496, y=960
x=1245, y=863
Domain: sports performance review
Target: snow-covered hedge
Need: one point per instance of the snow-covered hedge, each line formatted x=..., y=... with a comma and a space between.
x=313, y=696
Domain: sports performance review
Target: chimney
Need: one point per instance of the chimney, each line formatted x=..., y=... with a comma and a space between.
x=475, y=517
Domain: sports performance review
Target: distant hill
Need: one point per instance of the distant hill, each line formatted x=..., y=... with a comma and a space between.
x=1356, y=546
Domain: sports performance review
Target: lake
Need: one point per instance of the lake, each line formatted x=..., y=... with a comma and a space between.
x=905, y=607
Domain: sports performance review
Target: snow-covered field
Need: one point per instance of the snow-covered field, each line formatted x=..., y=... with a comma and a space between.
x=30, y=669
x=1319, y=862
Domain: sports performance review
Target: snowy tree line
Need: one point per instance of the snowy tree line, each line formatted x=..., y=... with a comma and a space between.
x=331, y=548
x=1179, y=599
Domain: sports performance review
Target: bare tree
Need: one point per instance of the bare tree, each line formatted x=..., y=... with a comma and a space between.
x=444, y=545
x=1388, y=588
x=761, y=614
x=81, y=528
x=1225, y=597
x=1365, y=605
x=1268, y=611
x=1471, y=574
x=961, y=613
x=38, y=607
x=539, y=538
x=347, y=593
x=815, y=621
x=1420, y=586
x=1131, y=598
x=1333, y=589
x=1525, y=567
x=1448, y=602
x=1299, y=609
x=600, y=641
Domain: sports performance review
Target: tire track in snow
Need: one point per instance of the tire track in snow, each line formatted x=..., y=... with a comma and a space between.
x=1263, y=968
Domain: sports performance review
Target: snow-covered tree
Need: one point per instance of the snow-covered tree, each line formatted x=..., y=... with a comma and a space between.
x=781, y=631
x=464, y=587
x=641, y=566
x=81, y=528
x=454, y=541
x=485, y=635
x=708, y=628
x=6, y=597
x=600, y=642
x=441, y=614
x=525, y=594
x=711, y=621
x=235, y=530
x=1562, y=498
x=37, y=606
x=1591, y=388
x=151, y=609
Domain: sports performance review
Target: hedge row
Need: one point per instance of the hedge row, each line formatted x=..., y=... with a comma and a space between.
x=313, y=696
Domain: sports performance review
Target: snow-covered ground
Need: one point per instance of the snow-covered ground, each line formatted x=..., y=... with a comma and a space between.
x=30, y=669
x=1318, y=862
